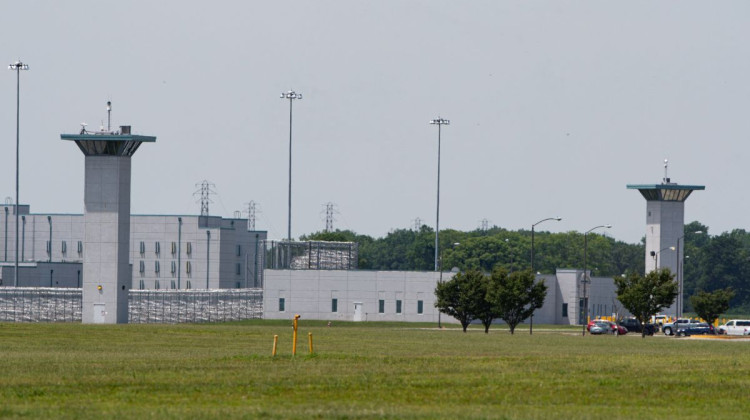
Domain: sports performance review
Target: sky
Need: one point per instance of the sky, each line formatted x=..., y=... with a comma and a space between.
x=554, y=107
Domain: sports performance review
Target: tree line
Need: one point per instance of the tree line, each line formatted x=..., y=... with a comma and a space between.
x=711, y=262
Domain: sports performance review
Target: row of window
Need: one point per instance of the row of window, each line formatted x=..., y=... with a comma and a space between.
x=188, y=267
x=173, y=285
x=64, y=247
x=381, y=306
x=157, y=248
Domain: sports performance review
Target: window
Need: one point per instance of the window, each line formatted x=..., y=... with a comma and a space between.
x=189, y=285
x=189, y=248
x=49, y=248
x=156, y=266
x=174, y=248
x=173, y=284
x=381, y=306
x=565, y=310
x=64, y=247
x=80, y=247
x=281, y=304
x=142, y=285
x=157, y=248
x=334, y=305
x=420, y=306
x=398, y=306
x=239, y=286
x=238, y=269
x=142, y=267
x=187, y=267
x=156, y=284
x=143, y=247
x=239, y=250
x=174, y=267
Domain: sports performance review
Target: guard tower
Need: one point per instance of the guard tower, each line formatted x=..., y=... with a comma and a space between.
x=106, y=269
x=665, y=226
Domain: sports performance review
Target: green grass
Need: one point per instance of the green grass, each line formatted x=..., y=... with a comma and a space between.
x=363, y=370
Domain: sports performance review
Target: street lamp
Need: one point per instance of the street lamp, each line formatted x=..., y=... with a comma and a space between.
x=17, y=66
x=439, y=122
x=585, y=274
x=656, y=255
x=441, y=278
x=532, y=238
x=531, y=321
x=291, y=95
x=678, y=304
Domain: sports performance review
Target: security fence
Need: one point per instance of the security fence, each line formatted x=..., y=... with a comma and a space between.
x=310, y=255
x=171, y=306
x=36, y=304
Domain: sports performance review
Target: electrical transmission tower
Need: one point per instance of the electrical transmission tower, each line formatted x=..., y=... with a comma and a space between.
x=417, y=224
x=205, y=189
x=330, y=210
x=252, y=208
x=484, y=225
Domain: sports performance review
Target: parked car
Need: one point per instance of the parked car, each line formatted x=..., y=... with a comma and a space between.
x=609, y=327
x=735, y=327
x=670, y=328
x=693, y=328
x=633, y=325
x=599, y=328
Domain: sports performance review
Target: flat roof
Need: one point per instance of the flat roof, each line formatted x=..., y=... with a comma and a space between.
x=108, y=137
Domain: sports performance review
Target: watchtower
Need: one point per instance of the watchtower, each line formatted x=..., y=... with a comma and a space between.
x=106, y=269
x=665, y=225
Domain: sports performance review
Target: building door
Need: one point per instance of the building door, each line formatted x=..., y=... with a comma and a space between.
x=100, y=313
x=357, y=312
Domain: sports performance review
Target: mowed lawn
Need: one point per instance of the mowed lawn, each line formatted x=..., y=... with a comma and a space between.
x=363, y=370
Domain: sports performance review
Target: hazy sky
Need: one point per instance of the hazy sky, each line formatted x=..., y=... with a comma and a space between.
x=554, y=106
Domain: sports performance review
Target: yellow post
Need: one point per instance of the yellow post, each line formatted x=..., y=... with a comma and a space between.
x=275, y=341
x=294, y=339
x=309, y=341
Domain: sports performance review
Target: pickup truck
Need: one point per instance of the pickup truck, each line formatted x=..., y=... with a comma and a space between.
x=671, y=328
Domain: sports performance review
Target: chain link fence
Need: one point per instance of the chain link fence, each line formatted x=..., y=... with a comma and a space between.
x=37, y=304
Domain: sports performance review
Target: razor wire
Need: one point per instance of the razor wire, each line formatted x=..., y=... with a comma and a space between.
x=37, y=304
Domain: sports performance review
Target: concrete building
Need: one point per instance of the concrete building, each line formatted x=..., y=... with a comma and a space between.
x=409, y=296
x=165, y=251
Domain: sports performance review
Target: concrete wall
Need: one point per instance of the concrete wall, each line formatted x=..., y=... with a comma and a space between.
x=309, y=293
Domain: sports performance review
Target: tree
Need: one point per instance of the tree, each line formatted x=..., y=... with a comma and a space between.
x=515, y=297
x=459, y=296
x=647, y=295
x=709, y=305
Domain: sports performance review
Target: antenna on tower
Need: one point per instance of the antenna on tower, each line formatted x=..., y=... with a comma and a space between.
x=330, y=210
x=417, y=224
x=484, y=225
x=666, y=167
x=205, y=191
x=252, y=208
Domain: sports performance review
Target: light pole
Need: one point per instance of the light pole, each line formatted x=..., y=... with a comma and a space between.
x=441, y=278
x=531, y=322
x=678, y=307
x=439, y=122
x=584, y=301
x=291, y=95
x=532, y=238
x=17, y=66
x=656, y=256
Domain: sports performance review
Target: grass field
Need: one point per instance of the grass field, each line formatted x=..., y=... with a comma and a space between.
x=363, y=370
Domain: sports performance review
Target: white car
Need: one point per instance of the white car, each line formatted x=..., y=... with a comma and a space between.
x=735, y=327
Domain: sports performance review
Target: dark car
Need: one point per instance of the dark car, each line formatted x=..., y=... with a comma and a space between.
x=694, y=328
x=633, y=325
